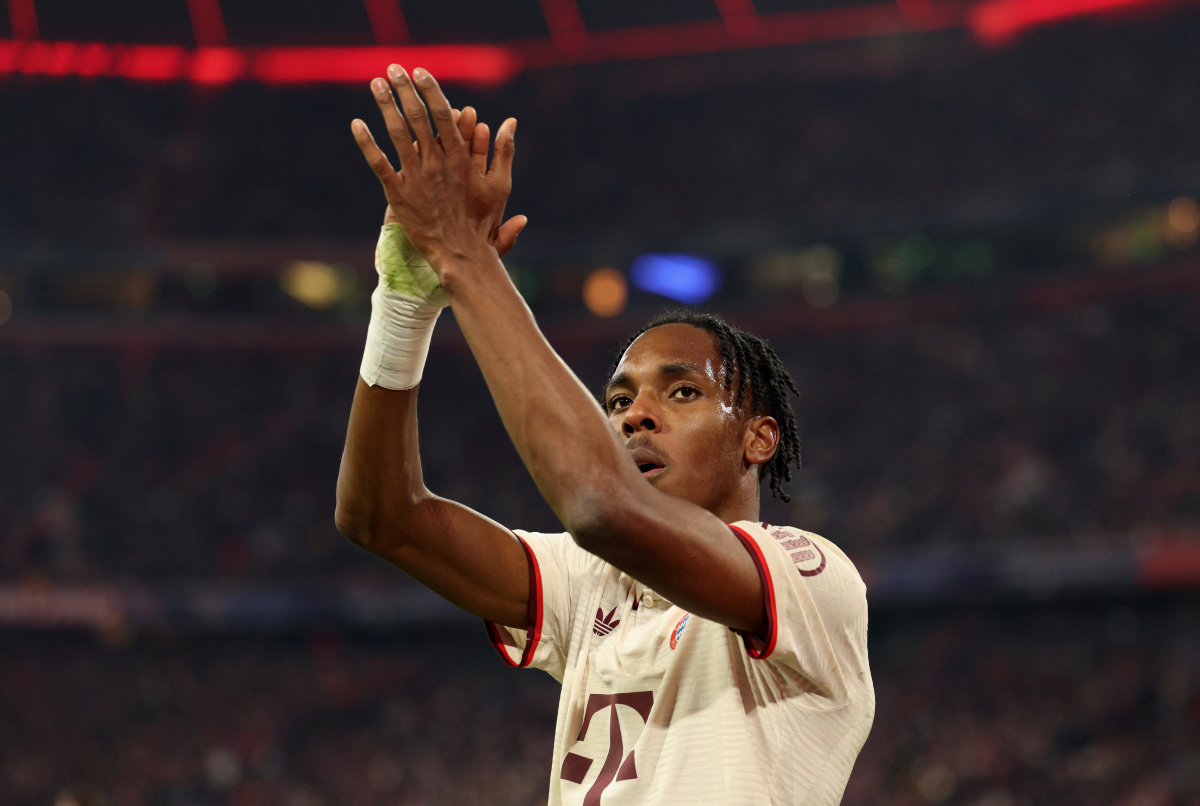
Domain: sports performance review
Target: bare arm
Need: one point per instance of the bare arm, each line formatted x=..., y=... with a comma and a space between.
x=384, y=506
x=572, y=452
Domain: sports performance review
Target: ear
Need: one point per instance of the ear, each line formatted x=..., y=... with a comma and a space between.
x=761, y=438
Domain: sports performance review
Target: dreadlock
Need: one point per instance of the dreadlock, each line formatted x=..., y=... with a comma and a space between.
x=761, y=379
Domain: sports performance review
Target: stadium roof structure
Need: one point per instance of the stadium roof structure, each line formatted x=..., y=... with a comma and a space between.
x=473, y=42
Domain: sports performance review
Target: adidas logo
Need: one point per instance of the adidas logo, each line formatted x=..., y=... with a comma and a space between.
x=605, y=624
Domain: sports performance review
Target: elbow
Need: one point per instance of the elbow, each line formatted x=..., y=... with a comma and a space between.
x=599, y=521
x=588, y=533
x=360, y=523
x=378, y=527
x=352, y=522
x=368, y=530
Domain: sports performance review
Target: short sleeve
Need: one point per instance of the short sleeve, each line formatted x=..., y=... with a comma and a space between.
x=545, y=643
x=816, y=608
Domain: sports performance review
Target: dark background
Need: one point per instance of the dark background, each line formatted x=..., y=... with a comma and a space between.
x=998, y=355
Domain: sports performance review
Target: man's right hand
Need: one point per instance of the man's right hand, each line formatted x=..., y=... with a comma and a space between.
x=477, y=136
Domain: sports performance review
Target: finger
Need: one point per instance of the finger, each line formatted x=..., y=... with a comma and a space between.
x=506, y=236
x=375, y=158
x=394, y=121
x=506, y=148
x=414, y=109
x=479, y=146
x=439, y=108
x=466, y=123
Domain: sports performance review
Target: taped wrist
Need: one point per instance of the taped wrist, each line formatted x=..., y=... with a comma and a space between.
x=404, y=308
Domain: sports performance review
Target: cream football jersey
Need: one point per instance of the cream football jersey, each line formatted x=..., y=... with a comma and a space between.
x=663, y=708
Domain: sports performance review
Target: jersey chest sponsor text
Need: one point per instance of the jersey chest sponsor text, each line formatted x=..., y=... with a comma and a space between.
x=616, y=766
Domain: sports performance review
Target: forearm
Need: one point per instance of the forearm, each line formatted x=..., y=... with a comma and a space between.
x=380, y=479
x=559, y=431
x=383, y=505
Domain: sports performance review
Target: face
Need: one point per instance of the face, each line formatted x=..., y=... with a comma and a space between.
x=668, y=401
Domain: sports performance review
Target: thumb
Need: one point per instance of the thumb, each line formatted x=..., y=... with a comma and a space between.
x=506, y=235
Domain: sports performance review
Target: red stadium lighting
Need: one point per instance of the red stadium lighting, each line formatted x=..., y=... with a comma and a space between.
x=208, y=24
x=151, y=62
x=995, y=21
x=567, y=31
x=739, y=16
x=22, y=16
x=218, y=65
x=50, y=58
x=493, y=65
x=481, y=65
x=93, y=59
x=474, y=65
x=737, y=30
x=387, y=22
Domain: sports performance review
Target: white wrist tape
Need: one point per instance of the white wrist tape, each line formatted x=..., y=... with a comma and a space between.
x=404, y=308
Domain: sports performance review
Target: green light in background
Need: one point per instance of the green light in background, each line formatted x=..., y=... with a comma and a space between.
x=973, y=260
x=899, y=265
x=527, y=281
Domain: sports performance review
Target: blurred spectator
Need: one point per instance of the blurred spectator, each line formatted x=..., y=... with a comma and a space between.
x=1017, y=706
x=1078, y=429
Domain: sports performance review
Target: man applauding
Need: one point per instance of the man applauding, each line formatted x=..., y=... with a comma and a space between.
x=705, y=658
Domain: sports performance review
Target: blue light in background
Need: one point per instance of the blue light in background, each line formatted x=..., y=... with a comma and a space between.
x=686, y=278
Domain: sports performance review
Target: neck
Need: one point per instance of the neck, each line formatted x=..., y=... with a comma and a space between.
x=741, y=505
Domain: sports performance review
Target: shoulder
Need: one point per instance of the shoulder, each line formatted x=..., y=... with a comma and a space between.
x=816, y=606
x=817, y=560
x=561, y=548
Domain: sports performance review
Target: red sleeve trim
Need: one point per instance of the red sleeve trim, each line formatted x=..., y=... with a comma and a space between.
x=764, y=575
x=535, y=614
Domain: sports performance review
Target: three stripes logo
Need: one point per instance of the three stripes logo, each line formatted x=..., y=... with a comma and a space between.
x=605, y=624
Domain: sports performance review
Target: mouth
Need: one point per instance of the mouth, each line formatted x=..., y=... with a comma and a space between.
x=648, y=462
x=651, y=469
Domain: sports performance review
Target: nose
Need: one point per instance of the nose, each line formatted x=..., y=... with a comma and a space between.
x=642, y=415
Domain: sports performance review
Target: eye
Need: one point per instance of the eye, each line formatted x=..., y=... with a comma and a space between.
x=618, y=401
x=686, y=392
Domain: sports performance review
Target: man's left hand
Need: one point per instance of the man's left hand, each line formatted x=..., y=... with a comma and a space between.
x=452, y=209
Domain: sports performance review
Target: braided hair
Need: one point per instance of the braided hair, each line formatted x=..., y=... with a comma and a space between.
x=761, y=379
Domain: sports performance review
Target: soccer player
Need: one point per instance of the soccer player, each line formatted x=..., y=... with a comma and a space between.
x=704, y=657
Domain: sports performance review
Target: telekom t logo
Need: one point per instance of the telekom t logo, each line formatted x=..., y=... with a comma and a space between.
x=615, y=768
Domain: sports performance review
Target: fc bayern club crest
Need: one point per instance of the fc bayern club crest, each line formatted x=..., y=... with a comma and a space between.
x=678, y=631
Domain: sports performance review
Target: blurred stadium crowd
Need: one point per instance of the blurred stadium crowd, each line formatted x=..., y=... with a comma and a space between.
x=1065, y=704
x=986, y=420
x=1077, y=429
x=827, y=141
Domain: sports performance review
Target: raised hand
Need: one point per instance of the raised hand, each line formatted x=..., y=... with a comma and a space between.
x=475, y=134
x=449, y=202
x=478, y=137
